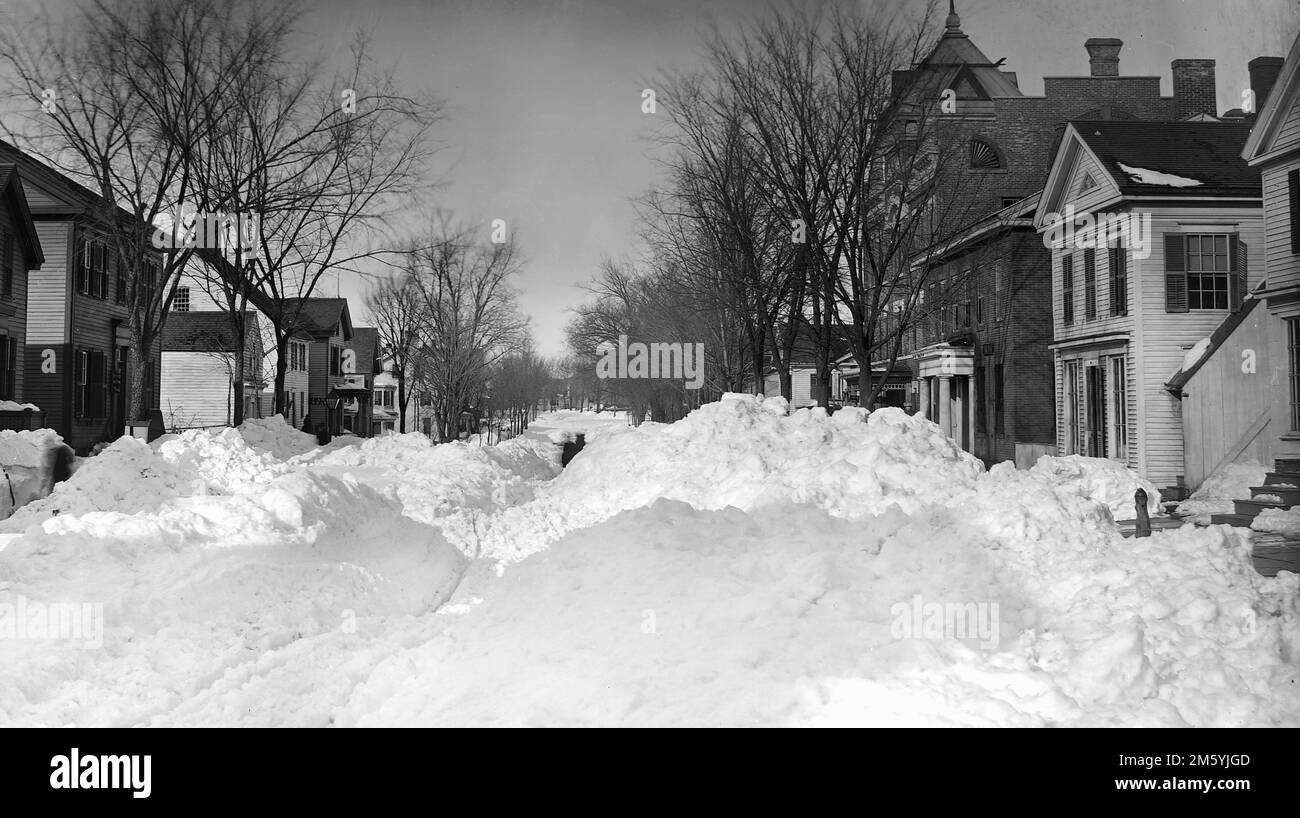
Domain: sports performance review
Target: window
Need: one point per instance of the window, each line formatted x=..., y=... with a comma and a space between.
x=1119, y=280
x=984, y=156
x=1088, y=183
x=181, y=303
x=90, y=387
x=1204, y=271
x=1067, y=289
x=1089, y=285
x=999, y=395
x=1070, y=427
x=290, y=409
x=1118, y=408
x=7, y=263
x=8, y=367
x=979, y=310
x=1293, y=186
x=336, y=360
x=1008, y=201
x=1293, y=348
x=82, y=272
x=981, y=406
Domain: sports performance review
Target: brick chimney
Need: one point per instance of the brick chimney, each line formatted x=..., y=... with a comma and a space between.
x=1194, y=89
x=1263, y=75
x=1103, y=56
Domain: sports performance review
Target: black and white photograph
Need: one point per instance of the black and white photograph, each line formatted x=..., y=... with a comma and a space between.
x=650, y=363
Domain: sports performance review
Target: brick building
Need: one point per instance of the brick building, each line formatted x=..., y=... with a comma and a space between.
x=978, y=362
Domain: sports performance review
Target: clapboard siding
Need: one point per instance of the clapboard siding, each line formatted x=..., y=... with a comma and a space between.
x=196, y=390
x=1283, y=266
x=1163, y=338
x=1289, y=132
x=47, y=288
x=13, y=309
x=1225, y=397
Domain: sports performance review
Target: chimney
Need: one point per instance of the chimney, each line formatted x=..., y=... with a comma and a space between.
x=1194, y=89
x=1103, y=56
x=1263, y=75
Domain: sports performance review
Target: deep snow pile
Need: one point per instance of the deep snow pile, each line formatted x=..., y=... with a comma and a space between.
x=1106, y=481
x=1216, y=493
x=205, y=557
x=742, y=566
x=276, y=437
x=452, y=486
x=29, y=460
x=745, y=451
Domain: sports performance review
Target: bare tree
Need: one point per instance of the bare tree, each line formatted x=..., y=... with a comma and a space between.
x=471, y=317
x=397, y=309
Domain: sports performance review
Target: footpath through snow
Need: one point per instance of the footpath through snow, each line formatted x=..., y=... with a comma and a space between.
x=743, y=566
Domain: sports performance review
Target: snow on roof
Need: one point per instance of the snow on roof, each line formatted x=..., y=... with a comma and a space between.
x=1154, y=177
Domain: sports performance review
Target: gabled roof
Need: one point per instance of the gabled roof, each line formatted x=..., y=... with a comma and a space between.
x=1160, y=160
x=11, y=188
x=1281, y=100
x=365, y=340
x=320, y=316
x=1207, y=152
x=204, y=331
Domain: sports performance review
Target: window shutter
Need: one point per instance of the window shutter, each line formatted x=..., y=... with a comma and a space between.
x=1237, y=277
x=1175, y=273
x=1293, y=184
x=78, y=375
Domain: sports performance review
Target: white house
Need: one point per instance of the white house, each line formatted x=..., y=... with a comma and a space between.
x=1150, y=227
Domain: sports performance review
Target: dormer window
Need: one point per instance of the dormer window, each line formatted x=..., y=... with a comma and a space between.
x=984, y=156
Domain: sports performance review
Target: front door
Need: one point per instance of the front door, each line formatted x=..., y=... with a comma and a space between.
x=1096, y=413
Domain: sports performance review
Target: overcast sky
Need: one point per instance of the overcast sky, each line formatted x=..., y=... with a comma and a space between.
x=546, y=129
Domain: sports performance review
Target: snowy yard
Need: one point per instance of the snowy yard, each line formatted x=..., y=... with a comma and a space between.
x=744, y=566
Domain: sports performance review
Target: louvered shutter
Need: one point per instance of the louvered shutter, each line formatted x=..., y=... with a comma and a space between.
x=1237, y=276
x=1175, y=273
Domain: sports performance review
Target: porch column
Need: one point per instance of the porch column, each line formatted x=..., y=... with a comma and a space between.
x=945, y=404
x=923, y=398
x=968, y=404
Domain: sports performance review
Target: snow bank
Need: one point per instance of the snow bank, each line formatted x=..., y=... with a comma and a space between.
x=204, y=556
x=30, y=460
x=12, y=406
x=1216, y=493
x=276, y=437
x=745, y=451
x=1094, y=478
x=1278, y=520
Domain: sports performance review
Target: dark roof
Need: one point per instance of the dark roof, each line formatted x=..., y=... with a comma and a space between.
x=203, y=331
x=320, y=315
x=1217, y=339
x=1209, y=152
x=11, y=186
x=365, y=340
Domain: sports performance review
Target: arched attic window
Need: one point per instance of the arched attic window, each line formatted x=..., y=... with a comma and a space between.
x=984, y=156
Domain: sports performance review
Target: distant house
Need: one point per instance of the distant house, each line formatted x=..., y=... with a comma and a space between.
x=1127, y=308
x=332, y=385
x=366, y=364
x=20, y=252
x=199, y=367
x=75, y=356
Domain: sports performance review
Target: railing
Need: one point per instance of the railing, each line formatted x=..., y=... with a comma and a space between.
x=22, y=420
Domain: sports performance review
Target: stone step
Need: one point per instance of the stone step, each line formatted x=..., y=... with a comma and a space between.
x=1287, y=465
x=1242, y=520
x=1253, y=507
x=1290, y=496
x=1281, y=477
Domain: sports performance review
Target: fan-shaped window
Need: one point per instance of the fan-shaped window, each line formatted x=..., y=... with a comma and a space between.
x=984, y=156
x=1107, y=112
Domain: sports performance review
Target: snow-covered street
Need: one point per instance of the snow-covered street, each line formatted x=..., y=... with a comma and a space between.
x=744, y=566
